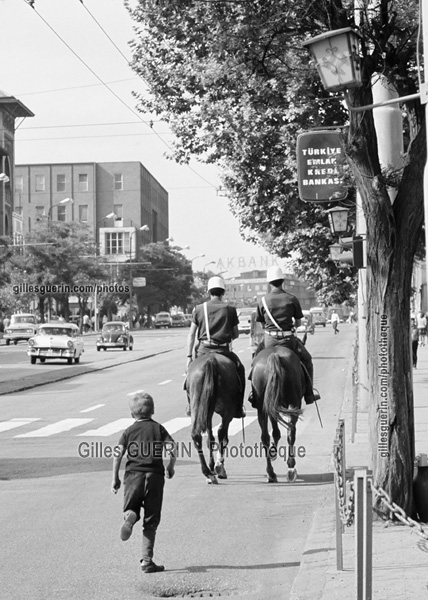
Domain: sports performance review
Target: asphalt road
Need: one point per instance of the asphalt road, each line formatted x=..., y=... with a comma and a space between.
x=60, y=523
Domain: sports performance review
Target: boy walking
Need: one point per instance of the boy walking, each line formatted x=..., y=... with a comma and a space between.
x=144, y=441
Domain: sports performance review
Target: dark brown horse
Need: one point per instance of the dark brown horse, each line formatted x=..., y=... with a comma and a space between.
x=278, y=385
x=212, y=386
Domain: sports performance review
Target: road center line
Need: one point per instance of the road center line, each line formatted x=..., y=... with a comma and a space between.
x=92, y=408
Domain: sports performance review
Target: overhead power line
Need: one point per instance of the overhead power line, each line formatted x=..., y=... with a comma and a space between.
x=106, y=86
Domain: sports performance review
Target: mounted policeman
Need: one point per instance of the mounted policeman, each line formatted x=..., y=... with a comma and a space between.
x=280, y=314
x=215, y=324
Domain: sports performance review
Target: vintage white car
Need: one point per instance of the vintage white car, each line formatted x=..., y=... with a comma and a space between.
x=56, y=341
x=22, y=327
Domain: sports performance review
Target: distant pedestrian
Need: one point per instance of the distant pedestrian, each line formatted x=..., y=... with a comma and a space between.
x=421, y=321
x=415, y=342
x=86, y=323
x=335, y=320
x=145, y=442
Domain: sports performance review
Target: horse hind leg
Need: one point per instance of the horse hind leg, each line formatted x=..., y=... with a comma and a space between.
x=291, y=440
x=265, y=438
x=223, y=441
x=276, y=436
x=210, y=477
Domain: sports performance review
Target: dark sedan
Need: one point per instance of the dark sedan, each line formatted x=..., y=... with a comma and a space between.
x=115, y=335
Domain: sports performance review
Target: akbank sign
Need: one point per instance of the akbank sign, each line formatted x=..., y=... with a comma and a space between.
x=247, y=263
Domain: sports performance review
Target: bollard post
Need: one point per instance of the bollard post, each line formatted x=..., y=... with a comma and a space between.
x=363, y=535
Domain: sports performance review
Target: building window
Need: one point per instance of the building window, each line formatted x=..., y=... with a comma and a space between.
x=40, y=183
x=19, y=183
x=83, y=213
x=61, y=213
x=40, y=213
x=118, y=211
x=118, y=181
x=114, y=243
x=83, y=182
x=60, y=183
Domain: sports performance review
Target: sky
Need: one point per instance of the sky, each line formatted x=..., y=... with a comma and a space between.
x=82, y=97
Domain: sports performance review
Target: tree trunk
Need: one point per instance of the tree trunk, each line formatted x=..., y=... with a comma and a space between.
x=392, y=236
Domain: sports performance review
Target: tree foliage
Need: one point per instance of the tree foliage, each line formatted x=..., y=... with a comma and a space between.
x=236, y=87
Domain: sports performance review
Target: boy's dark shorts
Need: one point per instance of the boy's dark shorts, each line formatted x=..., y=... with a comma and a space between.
x=145, y=490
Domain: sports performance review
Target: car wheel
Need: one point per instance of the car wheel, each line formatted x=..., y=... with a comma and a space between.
x=77, y=360
x=104, y=349
x=70, y=361
x=15, y=342
x=7, y=342
x=130, y=347
x=42, y=360
x=33, y=360
x=98, y=348
x=124, y=348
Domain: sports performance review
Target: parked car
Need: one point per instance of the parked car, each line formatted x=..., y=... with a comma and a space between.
x=163, y=319
x=115, y=334
x=188, y=319
x=56, y=341
x=318, y=316
x=22, y=327
x=178, y=320
x=244, y=316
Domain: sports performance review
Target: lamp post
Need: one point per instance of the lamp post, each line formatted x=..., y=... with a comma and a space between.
x=195, y=257
x=65, y=201
x=212, y=262
x=131, y=290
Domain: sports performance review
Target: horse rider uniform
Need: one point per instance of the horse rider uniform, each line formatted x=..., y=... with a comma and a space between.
x=279, y=312
x=216, y=324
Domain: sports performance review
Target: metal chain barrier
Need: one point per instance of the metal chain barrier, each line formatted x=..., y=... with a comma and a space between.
x=347, y=513
x=398, y=512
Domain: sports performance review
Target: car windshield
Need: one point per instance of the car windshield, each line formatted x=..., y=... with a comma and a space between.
x=117, y=327
x=162, y=316
x=56, y=331
x=24, y=319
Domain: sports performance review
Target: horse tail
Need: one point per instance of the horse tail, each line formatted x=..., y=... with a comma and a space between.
x=274, y=403
x=205, y=406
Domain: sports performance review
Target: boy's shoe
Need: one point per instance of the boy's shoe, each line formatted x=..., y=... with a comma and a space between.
x=151, y=567
x=126, y=530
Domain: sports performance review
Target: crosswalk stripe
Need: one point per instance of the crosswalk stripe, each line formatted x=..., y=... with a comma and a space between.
x=110, y=428
x=6, y=425
x=176, y=424
x=54, y=428
x=236, y=425
x=165, y=382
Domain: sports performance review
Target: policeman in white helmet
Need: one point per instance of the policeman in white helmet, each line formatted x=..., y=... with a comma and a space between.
x=280, y=314
x=215, y=323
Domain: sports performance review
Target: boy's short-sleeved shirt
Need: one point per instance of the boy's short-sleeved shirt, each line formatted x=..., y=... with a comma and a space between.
x=145, y=442
x=222, y=318
x=284, y=307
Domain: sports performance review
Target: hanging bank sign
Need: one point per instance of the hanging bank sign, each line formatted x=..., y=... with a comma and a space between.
x=319, y=154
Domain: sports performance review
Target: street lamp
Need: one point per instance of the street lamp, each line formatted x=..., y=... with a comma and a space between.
x=142, y=228
x=336, y=54
x=212, y=262
x=65, y=201
x=195, y=257
x=338, y=219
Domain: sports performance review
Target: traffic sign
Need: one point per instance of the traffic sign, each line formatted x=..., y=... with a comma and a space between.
x=139, y=282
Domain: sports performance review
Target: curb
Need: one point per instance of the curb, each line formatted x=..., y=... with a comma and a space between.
x=32, y=381
x=320, y=548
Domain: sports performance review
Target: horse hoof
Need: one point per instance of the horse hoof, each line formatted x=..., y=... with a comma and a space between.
x=272, y=479
x=212, y=479
x=221, y=471
x=291, y=475
x=273, y=453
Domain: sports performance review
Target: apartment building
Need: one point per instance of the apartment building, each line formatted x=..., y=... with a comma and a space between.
x=121, y=203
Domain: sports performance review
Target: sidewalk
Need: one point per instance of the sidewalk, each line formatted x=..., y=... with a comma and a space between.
x=400, y=556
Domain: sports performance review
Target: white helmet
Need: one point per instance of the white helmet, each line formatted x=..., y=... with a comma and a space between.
x=274, y=274
x=216, y=282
